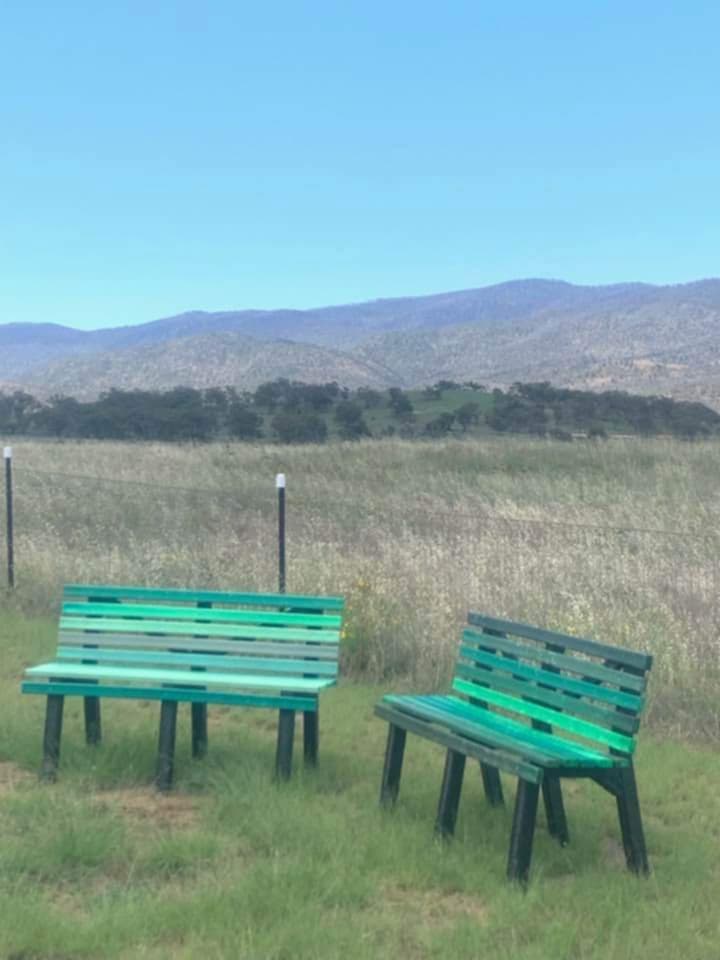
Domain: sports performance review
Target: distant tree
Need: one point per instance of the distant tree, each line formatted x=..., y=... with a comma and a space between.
x=243, y=422
x=442, y=385
x=468, y=414
x=441, y=425
x=319, y=396
x=292, y=427
x=368, y=397
x=350, y=419
x=401, y=404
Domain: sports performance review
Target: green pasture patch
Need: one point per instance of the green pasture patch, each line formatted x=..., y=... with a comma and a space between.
x=232, y=865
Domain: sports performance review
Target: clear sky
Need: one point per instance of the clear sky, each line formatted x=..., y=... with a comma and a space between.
x=157, y=157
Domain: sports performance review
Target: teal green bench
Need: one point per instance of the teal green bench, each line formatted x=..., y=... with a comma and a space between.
x=540, y=706
x=202, y=647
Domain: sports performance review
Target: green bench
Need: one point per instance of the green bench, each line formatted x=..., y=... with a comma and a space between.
x=200, y=647
x=540, y=706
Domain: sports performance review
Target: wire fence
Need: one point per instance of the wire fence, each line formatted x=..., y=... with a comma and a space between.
x=232, y=496
x=409, y=565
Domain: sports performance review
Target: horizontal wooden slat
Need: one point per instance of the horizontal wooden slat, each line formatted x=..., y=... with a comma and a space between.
x=149, y=675
x=584, y=668
x=200, y=614
x=269, y=665
x=504, y=761
x=305, y=704
x=549, y=698
x=539, y=748
x=628, y=701
x=573, y=725
x=323, y=651
x=169, y=629
x=572, y=751
x=282, y=600
x=620, y=655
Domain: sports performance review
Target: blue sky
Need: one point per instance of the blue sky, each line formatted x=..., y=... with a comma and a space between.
x=158, y=157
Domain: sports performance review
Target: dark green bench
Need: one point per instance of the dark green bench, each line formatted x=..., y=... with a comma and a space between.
x=201, y=647
x=541, y=706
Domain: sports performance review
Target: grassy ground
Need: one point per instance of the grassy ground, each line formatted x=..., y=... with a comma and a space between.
x=231, y=865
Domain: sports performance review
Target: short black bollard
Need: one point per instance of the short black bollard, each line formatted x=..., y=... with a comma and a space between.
x=7, y=456
x=280, y=484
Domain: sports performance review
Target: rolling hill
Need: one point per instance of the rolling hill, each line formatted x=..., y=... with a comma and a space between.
x=632, y=336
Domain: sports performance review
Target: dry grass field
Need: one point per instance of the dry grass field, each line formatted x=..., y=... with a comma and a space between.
x=618, y=541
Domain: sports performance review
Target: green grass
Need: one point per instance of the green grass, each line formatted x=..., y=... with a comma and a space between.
x=232, y=865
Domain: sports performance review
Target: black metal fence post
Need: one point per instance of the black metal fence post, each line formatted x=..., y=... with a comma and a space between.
x=7, y=456
x=280, y=485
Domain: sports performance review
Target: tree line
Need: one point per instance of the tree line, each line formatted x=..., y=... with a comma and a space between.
x=292, y=412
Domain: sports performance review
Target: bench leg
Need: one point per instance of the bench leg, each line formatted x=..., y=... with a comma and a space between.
x=633, y=836
x=450, y=793
x=198, y=712
x=285, y=738
x=392, y=769
x=555, y=809
x=166, y=744
x=51, y=737
x=93, y=726
x=311, y=735
x=523, y=829
x=492, y=785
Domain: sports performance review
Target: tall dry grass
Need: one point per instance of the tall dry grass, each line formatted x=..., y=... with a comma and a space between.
x=618, y=541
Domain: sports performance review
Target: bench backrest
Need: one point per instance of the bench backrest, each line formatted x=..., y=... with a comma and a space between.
x=281, y=634
x=578, y=688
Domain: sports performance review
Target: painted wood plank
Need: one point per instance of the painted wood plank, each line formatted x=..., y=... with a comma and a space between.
x=164, y=628
x=551, y=752
x=573, y=725
x=213, y=661
x=527, y=689
x=617, y=698
x=522, y=733
x=148, y=674
x=325, y=651
x=202, y=615
x=181, y=695
x=282, y=600
x=630, y=658
x=584, y=668
x=500, y=759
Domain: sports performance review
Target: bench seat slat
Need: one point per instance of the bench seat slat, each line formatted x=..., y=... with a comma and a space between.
x=201, y=614
x=324, y=651
x=305, y=704
x=522, y=733
x=585, y=668
x=486, y=727
x=581, y=728
x=628, y=701
x=282, y=600
x=165, y=628
x=526, y=689
x=147, y=674
x=213, y=661
x=503, y=759
x=620, y=655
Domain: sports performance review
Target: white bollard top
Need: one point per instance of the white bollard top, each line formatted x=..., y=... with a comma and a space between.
x=7, y=453
x=280, y=481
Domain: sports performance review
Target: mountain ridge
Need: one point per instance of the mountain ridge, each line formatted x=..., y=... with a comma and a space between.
x=626, y=336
